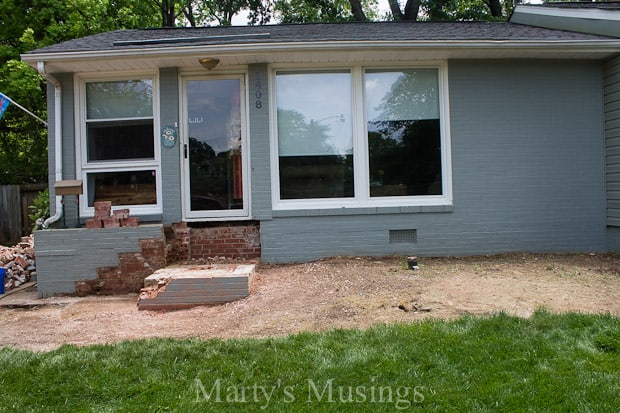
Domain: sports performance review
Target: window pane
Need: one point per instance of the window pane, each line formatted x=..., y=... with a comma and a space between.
x=303, y=177
x=119, y=99
x=404, y=137
x=315, y=139
x=122, y=188
x=116, y=140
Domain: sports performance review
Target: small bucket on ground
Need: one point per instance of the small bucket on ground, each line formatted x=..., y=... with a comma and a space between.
x=412, y=263
x=2, y=280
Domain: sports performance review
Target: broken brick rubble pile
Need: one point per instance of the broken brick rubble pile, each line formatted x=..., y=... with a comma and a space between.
x=19, y=263
x=106, y=218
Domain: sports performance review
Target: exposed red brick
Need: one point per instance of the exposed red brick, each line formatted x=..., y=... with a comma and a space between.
x=111, y=222
x=131, y=222
x=103, y=209
x=231, y=241
x=93, y=223
x=129, y=275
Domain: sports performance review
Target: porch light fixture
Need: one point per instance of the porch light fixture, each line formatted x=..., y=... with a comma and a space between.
x=209, y=62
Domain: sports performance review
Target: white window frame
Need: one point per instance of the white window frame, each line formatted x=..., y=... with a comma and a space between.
x=362, y=198
x=84, y=167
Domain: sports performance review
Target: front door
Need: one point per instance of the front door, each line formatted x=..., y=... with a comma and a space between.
x=213, y=151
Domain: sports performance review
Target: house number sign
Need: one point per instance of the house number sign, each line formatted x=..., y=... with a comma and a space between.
x=258, y=92
x=168, y=136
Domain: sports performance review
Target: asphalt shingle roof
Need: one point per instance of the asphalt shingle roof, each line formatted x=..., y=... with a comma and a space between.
x=316, y=32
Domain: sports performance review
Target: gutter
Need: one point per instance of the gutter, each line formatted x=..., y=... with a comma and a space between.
x=604, y=45
x=57, y=139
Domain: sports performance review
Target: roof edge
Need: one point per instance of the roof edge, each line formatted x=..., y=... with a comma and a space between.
x=610, y=44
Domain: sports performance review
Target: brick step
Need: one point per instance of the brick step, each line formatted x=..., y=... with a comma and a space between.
x=184, y=286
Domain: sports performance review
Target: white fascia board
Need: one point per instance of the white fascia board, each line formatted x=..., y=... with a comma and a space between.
x=601, y=45
x=594, y=14
x=595, y=21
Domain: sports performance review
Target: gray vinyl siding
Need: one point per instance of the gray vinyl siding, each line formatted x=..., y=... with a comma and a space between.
x=170, y=157
x=612, y=138
x=528, y=174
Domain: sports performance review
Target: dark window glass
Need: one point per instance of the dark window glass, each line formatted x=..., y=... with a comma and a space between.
x=328, y=176
x=122, y=188
x=404, y=158
x=118, y=140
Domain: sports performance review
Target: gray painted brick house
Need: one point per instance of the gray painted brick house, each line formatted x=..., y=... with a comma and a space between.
x=341, y=139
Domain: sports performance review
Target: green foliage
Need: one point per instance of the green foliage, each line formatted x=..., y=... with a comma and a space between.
x=23, y=139
x=29, y=24
x=308, y=11
x=549, y=362
x=40, y=209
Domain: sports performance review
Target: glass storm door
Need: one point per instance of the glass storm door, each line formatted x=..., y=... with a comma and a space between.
x=214, y=142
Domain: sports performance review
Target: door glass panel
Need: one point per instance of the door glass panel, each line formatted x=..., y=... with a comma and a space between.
x=214, y=127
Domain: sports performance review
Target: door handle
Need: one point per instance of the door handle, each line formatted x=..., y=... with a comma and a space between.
x=185, y=150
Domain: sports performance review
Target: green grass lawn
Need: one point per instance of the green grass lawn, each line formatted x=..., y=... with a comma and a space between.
x=550, y=363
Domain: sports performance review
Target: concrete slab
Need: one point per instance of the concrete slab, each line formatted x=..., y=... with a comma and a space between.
x=26, y=296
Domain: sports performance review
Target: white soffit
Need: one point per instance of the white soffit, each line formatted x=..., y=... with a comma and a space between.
x=140, y=59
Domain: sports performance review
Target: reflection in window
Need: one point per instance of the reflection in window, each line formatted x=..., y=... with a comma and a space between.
x=122, y=188
x=215, y=144
x=404, y=138
x=315, y=139
x=119, y=122
x=119, y=99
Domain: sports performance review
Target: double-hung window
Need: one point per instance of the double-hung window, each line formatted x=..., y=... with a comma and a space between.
x=119, y=156
x=360, y=137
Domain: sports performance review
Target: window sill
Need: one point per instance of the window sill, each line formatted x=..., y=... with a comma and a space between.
x=420, y=209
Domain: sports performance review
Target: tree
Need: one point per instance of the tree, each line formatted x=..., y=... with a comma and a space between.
x=29, y=24
x=414, y=10
x=204, y=12
x=306, y=11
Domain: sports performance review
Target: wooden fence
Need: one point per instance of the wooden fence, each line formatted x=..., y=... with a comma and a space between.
x=14, y=202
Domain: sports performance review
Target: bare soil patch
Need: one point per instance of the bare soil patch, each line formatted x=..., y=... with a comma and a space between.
x=336, y=293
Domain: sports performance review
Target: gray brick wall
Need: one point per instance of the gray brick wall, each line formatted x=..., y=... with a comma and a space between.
x=259, y=141
x=612, y=137
x=170, y=157
x=68, y=255
x=528, y=157
x=68, y=145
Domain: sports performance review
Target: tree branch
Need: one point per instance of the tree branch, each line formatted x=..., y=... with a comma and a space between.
x=412, y=8
x=358, y=11
x=395, y=9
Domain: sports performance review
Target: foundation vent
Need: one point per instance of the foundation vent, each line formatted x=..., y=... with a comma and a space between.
x=403, y=236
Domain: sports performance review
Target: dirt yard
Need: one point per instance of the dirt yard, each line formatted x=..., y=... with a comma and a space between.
x=335, y=293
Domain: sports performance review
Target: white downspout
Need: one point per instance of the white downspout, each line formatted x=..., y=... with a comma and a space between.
x=57, y=138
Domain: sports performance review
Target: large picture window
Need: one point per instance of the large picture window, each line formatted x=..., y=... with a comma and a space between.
x=118, y=158
x=361, y=137
x=315, y=139
x=404, y=133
